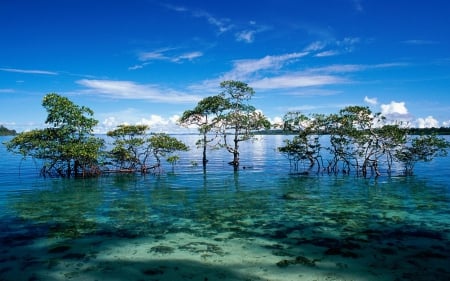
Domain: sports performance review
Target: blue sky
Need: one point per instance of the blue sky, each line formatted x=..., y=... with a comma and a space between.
x=146, y=61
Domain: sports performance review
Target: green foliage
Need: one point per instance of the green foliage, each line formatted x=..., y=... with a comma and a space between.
x=359, y=140
x=240, y=120
x=422, y=148
x=131, y=147
x=205, y=117
x=305, y=146
x=67, y=146
x=164, y=145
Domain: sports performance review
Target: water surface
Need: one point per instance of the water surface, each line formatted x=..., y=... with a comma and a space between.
x=260, y=223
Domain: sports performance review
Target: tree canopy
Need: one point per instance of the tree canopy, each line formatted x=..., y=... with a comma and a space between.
x=359, y=140
x=206, y=117
x=240, y=119
x=67, y=146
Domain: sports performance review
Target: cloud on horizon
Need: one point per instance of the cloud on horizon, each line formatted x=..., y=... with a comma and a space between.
x=427, y=122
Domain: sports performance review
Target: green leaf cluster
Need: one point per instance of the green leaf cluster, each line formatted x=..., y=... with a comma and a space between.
x=67, y=146
x=359, y=140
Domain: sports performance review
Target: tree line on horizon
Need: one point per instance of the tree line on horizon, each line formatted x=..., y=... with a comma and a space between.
x=359, y=140
x=6, y=132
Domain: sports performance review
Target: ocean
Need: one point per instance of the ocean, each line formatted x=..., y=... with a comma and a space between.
x=259, y=223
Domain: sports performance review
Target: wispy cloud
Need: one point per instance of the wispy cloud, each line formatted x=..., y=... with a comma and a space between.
x=328, y=53
x=347, y=68
x=371, y=101
x=248, y=33
x=315, y=46
x=165, y=54
x=130, y=90
x=222, y=25
x=419, y=42
x=247, y=36
x=330, y=48
x=247, y=69
x=271, y=72
x=243, y=68
x=29, y=71
x=6, y=91
x=296, y=81
x=315, y=91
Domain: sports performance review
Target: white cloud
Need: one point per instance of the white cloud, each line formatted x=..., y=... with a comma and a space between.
x=244, y=68
x=396, y=111
x=157, y=123
x=347, y=68
x=296, y=81
x=29, y=71
x=428, y=122
x=329, y=53
x=346, y=45
x=247, y=36
x=372, y=101
x=263, y=73
x=7, y=91
x=312, y=92
x=276, y=122
x=394, y=108
x=153, y=120
x=164, y=54
x=131, y=90
x=446, y=123
x=221, y=24
x=188, y=56
x=419, y=42
x=137, y=66
x=110, y=122
x=338, y=68
x=315, y=46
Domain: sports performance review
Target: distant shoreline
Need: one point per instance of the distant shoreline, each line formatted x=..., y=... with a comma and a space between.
x=7, y=132
x=412, y=131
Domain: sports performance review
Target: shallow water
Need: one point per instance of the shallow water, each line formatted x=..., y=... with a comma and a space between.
x=260, y=223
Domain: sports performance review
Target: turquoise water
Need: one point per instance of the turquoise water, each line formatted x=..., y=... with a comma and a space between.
x=260, y=223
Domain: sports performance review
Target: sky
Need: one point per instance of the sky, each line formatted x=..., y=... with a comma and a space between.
x=147, y=61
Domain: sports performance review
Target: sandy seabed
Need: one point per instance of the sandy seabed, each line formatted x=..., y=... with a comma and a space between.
x=182, y=256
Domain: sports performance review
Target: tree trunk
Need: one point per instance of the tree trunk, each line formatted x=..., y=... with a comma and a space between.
x=236, y=154
x=204, y=151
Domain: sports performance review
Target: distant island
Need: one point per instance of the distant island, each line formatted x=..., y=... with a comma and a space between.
x=412, y=131
x=6, y=132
